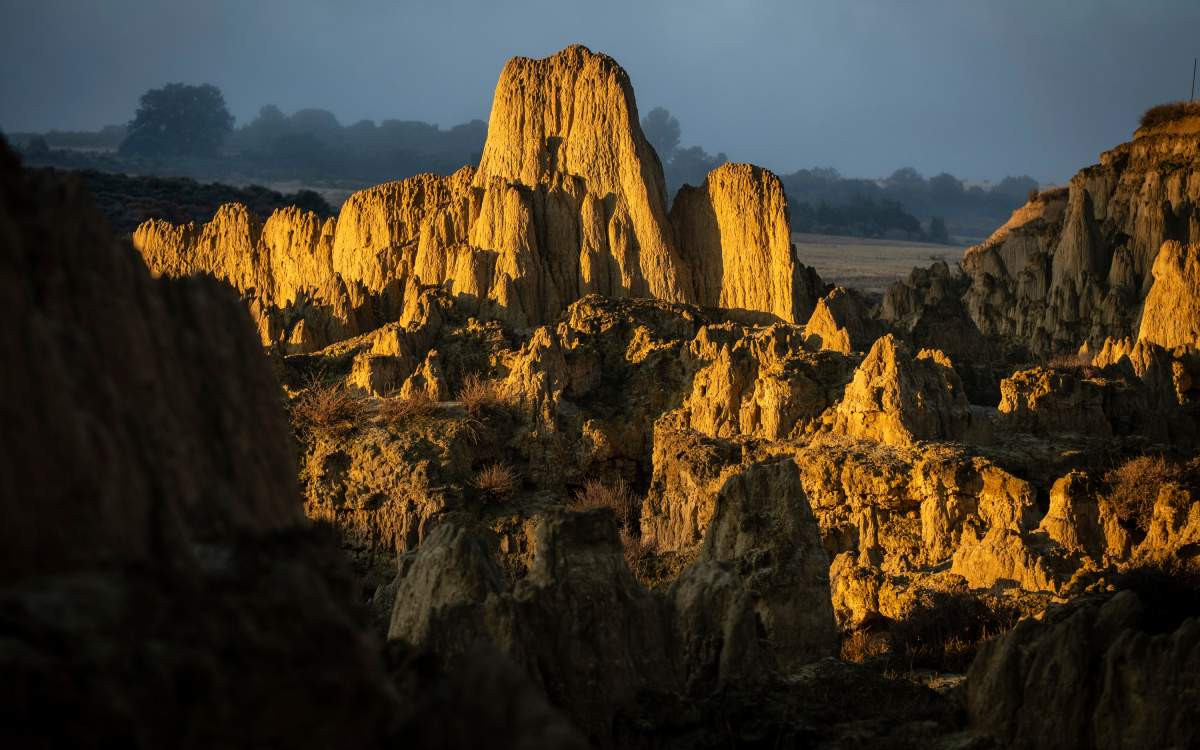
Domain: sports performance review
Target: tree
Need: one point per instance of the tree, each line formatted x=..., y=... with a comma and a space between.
x=945, y=188
x=937, y=231
x=1015, y=189
x=663, y=131
x=906, y=178
x=179, y=120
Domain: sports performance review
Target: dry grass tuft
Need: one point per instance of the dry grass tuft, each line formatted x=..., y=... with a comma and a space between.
x=497, y=481
x=398, y=409
x=480, y=396
x=861, y=645
x=1078, y=363
x=1133, y=487
x=1169, y=112
x=327, y=408
x=597, y=494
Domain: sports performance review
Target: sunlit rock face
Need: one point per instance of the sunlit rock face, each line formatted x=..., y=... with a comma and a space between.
x=734, y=232
x=568, y=200
x=1073, y=266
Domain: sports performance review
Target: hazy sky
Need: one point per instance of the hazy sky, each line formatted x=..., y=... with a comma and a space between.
x=979, y=88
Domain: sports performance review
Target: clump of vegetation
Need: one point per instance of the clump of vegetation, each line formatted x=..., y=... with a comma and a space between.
x=479, y=395
x=944, y=633
x=327, y=408
x=402, y=409
x=1049, y=195
x=638, y=553
x=864, y=644
x=1076, y=362
x=1164, y=113
x=497, y=481
x=1133, y=487
x=617, y=496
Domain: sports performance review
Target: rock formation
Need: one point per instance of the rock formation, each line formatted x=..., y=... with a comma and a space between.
x=1171, y=312
x=842, y=322
x=898, y=399
x=629, y=463
x=1073, y=266
x=568, y=200
x=755, y=602
x=734, y=233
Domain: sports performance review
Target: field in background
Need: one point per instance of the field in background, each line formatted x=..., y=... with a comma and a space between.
x=866, y=264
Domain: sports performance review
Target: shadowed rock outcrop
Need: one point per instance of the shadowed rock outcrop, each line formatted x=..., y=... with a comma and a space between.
x=842, y=322
x=122, y=386
x=754, y=604
x=1108, y=673
x=154, y=552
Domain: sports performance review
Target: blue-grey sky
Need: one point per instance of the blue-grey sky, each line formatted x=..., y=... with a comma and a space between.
x=979, y=88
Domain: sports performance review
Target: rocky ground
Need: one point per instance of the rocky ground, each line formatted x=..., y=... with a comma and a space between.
x=582, y=471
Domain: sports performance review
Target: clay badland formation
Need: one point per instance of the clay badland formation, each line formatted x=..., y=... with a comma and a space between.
x=579, y=469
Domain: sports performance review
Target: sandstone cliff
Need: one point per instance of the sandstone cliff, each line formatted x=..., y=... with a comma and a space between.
x=568, y=200
x=1074, y=266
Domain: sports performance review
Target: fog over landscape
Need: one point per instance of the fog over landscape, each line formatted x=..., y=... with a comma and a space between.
x=1021, y=87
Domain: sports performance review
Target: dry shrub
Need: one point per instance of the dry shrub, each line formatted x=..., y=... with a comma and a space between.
x=945, y=631
x=1078, y=363
x=860, y=645
x=400, y=409
x=1169, y=112
x=637, y=550
x=597, y=494
x=1133, y=487
x=1050, y=195
x=496, y=481
x=327, y=408
x=479, y=395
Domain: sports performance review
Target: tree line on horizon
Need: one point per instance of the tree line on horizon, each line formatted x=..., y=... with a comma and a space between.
x=904, y=205
x=188, y=131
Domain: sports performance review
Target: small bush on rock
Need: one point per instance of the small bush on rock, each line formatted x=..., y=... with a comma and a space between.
x=944, y=632
x=479, y=395
x=1133, y=487
x=597, y=494
x=1169, y=112
x=327, y=408
x=497, y=481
